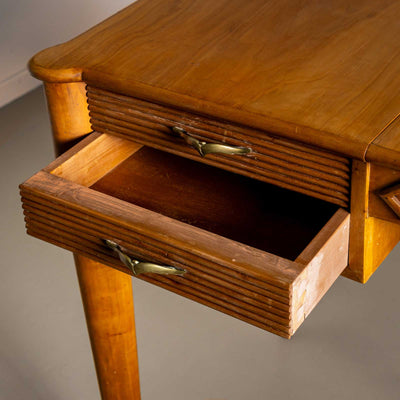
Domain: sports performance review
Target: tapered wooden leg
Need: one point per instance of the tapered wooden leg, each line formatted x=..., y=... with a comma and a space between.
x=106, y=293
x=108, y=302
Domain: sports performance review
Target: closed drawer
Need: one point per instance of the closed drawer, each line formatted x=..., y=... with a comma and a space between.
x=279, y=161
x=255, y=251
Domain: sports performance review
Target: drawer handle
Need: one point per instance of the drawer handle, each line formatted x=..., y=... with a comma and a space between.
x=139, y=267
x=205, y=148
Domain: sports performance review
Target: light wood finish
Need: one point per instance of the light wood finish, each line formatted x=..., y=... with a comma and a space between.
x=245, y=210
x=108, y=301
x=325, y=260
x=288, y=164
x=323, y=72
x=311, y=87
x=249, y=283
x=375, y=227
x=95, y=159
x=371, y=239
x=369, y=246
x=68, y=111
x=359, y=232
x=306, y=85
x=113, y=343
x=382, y=238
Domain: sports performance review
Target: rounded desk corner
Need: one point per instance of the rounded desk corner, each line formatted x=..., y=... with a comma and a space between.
x=41, y=68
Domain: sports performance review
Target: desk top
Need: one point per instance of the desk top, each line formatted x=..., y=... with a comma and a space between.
x=325, y=72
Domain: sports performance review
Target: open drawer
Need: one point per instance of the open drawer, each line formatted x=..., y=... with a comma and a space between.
x=258, y=252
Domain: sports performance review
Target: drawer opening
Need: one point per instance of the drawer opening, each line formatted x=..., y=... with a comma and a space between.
x=251, y=212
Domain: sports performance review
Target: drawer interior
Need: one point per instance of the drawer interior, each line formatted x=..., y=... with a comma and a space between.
x=254, y=213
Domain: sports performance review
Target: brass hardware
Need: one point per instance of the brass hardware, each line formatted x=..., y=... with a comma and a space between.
x=205, y=148
x=140, y=267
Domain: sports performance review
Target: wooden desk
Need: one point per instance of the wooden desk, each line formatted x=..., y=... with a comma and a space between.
x=297, y=106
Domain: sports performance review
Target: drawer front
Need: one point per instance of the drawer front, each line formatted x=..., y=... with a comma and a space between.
x=211, y=280
x=274, y=160
x=263, y=289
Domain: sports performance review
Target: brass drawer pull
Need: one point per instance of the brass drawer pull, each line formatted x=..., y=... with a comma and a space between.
x=139, y=267
x=205, y=148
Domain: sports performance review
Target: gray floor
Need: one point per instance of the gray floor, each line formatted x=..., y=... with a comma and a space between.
x=347, y=349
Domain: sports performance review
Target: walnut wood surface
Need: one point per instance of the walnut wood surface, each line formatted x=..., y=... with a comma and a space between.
x=243, y=281
x=322, y=72
x=106, y=294
x=285, y=163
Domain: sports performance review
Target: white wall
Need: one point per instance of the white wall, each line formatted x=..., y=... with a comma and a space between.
x=27, y=27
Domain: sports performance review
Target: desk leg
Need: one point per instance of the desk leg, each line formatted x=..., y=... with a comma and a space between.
x=108, y=302
x=106, y=293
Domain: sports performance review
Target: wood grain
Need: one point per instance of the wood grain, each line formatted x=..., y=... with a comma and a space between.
x=98, y=155
x=322, y=72
x=288, y=164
